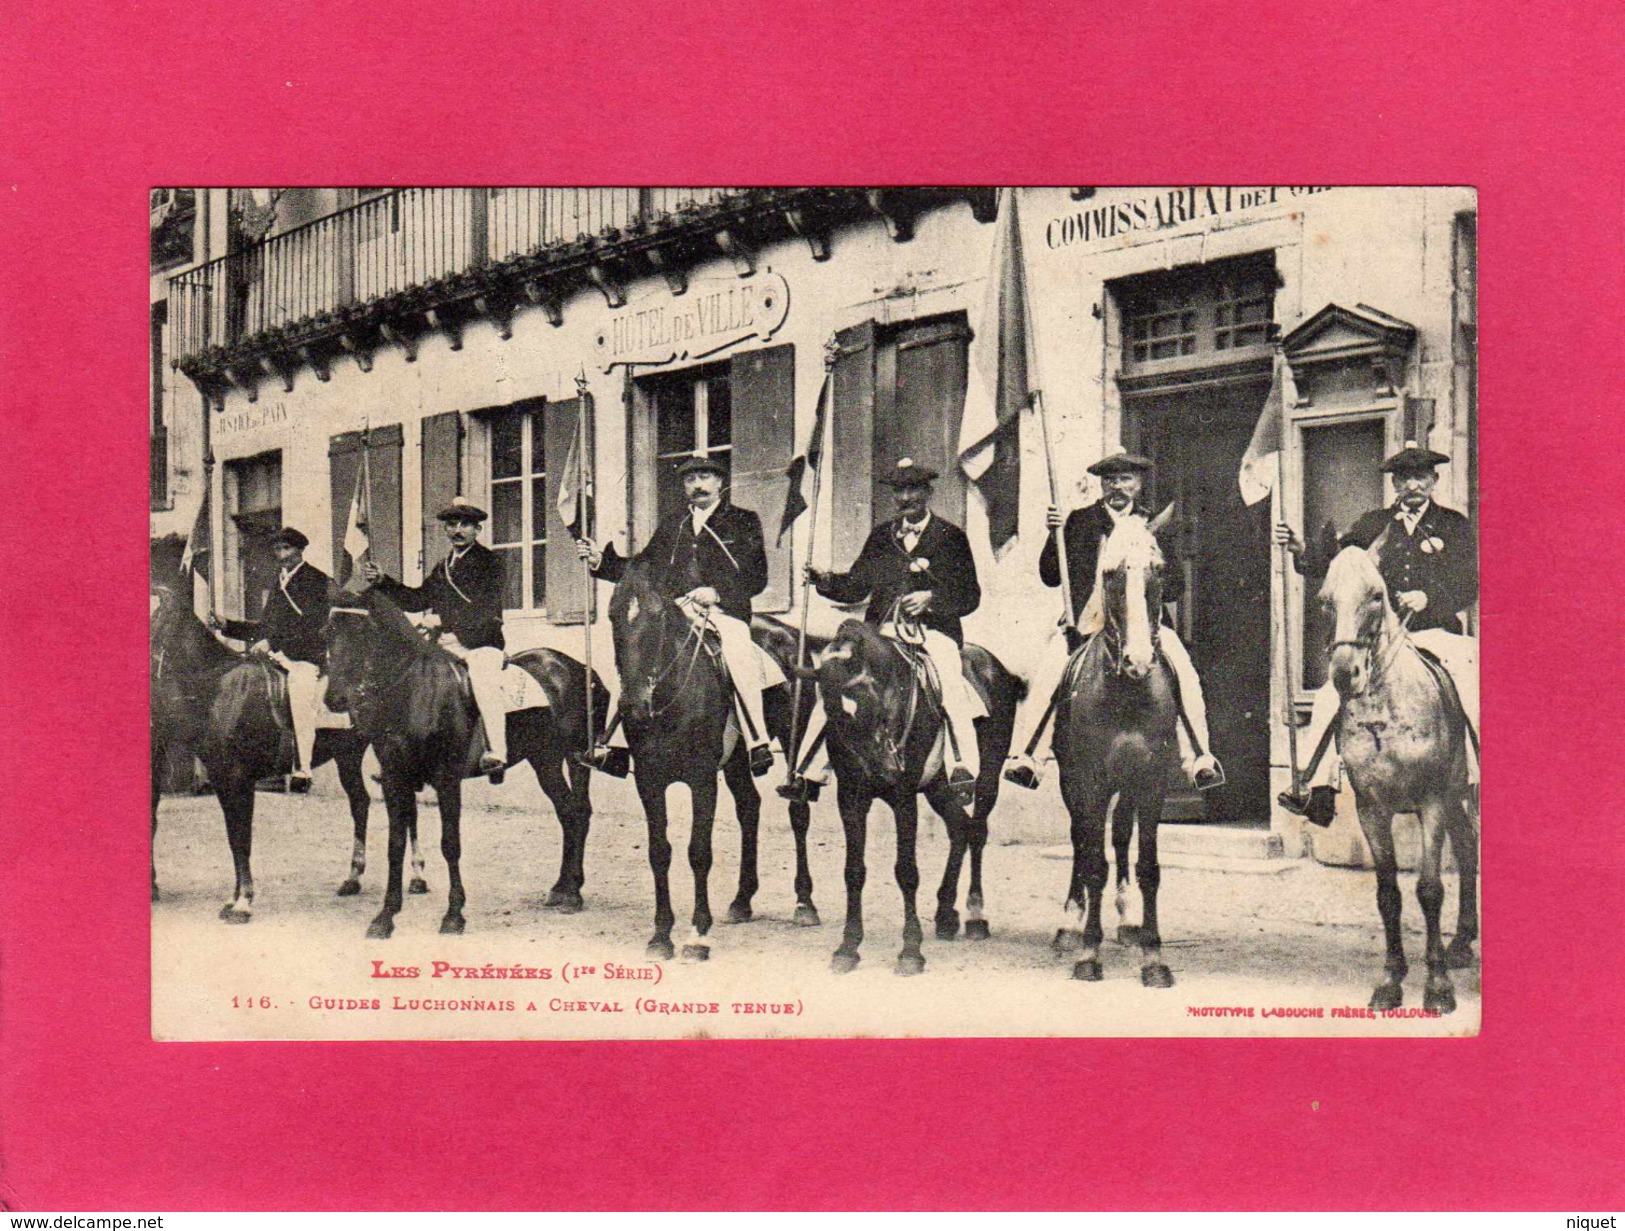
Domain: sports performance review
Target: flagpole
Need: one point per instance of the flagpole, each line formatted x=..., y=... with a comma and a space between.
x=1284, y=552
x=583, y=504
x=208, y=503
x=366, y=487
x=792, y=754
x=1030, y=340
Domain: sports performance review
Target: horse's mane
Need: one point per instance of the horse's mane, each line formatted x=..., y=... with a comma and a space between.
x=637, y=582
x=389, y=619
x=176, y=628
x=1130, y=545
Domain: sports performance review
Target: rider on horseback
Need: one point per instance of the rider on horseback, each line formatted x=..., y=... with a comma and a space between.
x=1429, y=563
x=917, y=572
x=289, y=633
x=1122, y=477
x=464, y=592
x=719, y=544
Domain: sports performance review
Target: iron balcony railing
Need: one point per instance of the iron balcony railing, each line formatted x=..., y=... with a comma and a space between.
x=387, y=244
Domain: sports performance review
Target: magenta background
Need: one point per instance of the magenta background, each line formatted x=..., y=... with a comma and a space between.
x=101, y=101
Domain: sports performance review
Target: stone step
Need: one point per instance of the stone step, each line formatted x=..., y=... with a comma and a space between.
x=1216, y=846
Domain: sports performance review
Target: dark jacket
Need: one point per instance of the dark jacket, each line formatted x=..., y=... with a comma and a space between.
x=884, y=573
x=293, y=618
x=467, y=596
x=728, y=555
x=1085, y=530
x=1440, y=559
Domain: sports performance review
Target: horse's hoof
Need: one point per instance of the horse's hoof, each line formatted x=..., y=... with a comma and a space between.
x=380, y=929
x=1128, y=934
x=977, y=929
x=1156, y=975
x=1066, y=941
x=740, y=912
x=844, y=963
x=452, y=925
x=1439, y=998
x=660, y=949
x=418, y=885
x=910, y=964
x=948, y=925
x=1087, y=971
x=1389, y=995
x=349, y=888
x=232, y=915
x=806, y=916
x=1458, y=955
x=155, y=893
x=564, y=902
x=696, y=953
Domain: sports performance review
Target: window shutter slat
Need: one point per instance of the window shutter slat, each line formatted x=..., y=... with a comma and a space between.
x=763, y=388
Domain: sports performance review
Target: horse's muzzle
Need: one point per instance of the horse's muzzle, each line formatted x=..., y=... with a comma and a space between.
x=1349, y=670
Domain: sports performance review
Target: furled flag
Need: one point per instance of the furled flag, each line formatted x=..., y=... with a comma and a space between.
x=1002, y=370
x=804, y=466
x=195, y=557
x=575, y=488
x=1260, y=462
x=356, y=540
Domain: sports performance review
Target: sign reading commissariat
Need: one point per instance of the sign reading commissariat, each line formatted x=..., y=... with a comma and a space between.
x=714, y=314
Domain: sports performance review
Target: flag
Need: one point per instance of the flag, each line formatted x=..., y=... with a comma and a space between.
x=805, y=465
x=1002, y=370
x=195, y=557
x=356, y=540
x=573, y=493
x=1259, y=463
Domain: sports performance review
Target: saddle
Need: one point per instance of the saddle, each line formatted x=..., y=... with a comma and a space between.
x=1447, y=688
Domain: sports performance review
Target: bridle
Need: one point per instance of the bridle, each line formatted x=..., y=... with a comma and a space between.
x=1113, y=640
x=666, y=667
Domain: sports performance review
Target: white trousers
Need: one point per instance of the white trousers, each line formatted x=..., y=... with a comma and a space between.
x=1051, y=669
x=1459, y=656
x=743, y=659
x=304, y=704
x=961, y=706
x=485, y=667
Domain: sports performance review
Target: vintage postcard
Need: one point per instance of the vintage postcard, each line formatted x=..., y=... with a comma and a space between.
x=814, y=612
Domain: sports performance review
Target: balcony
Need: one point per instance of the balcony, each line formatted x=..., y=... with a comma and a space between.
x=386, y=270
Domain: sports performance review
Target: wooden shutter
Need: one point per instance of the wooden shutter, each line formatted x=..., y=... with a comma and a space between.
x=441, y=468
x=763, y=385
x=643, y=465
x=852, y=442
x=919, y=402
x=384, y=469
x=566, y=584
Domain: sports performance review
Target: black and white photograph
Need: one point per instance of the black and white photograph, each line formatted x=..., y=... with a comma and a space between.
x=814, y=612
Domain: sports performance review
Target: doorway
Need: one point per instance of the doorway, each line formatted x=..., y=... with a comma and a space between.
x=1196, y=438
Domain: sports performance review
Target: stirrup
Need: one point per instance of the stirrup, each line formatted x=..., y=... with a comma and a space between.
x=1207, y=779
x=761, y=760
x=494, y=768
x=1021, y=771
x=1319, y=807
x=611, y=759
x=799, y=789
x=963, y=787
x=299, y=783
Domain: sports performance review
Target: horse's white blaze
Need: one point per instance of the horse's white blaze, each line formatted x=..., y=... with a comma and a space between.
x=1137, y=635
x=632, y=611
x=849, y=705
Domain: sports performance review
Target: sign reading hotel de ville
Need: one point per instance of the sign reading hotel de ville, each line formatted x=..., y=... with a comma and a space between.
x=712, y=315
x=561, y=902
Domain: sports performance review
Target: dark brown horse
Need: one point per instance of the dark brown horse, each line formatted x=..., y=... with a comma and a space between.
x=884, y=736
x=1403, y=739
x=676, y=709
x=219, y=704
x=1115, y=739
x=411, y=700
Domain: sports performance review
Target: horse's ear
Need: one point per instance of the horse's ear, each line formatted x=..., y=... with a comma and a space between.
x=1163, y=518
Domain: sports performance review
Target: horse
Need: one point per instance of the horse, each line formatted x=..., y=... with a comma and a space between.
x=1402, y=736
x=676, y=710
x=884, y=733
x=218, y=703
x=409, y=698
x=1116, y=738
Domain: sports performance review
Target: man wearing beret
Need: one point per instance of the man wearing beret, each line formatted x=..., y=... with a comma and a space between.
x=289, y=632
x=464, y=593
x=916, y=569
x=710, y=559
x=1122, y=479
x=1429, y=562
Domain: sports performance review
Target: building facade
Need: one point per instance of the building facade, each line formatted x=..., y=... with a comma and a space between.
x=449, y=341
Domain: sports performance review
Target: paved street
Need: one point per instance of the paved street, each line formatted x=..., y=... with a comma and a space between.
x=1250, y=935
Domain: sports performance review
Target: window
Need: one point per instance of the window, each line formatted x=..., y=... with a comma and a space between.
x=1341, y=480
x=1198, y=315
x=519, y=521
x=253, y=500
x=693, y=414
